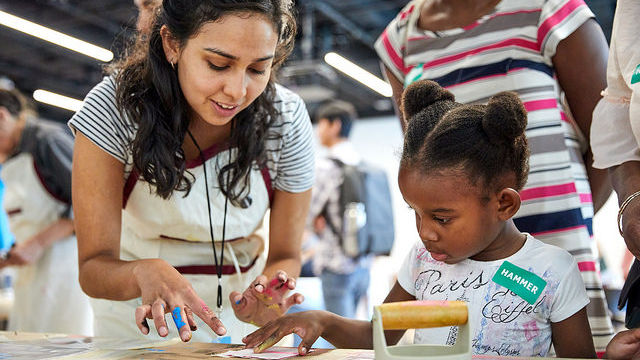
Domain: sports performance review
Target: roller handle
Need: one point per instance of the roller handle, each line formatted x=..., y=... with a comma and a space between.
x=422, y=314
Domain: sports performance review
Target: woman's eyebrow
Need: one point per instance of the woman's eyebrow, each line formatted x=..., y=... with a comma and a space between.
x=232, y=57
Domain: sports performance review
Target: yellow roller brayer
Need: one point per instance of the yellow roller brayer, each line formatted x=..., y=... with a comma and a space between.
x=419, y=315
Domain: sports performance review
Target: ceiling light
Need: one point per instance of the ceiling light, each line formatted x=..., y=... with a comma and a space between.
x=359, y=74
x=55, y=37
x=58, y=100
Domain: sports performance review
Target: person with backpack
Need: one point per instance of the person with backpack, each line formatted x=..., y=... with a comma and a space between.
x=338, y=214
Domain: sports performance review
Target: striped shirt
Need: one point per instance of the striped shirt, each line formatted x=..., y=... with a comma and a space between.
x=511, y=49
x=290, y=158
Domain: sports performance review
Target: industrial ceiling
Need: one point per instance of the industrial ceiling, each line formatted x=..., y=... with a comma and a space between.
x=348, y=27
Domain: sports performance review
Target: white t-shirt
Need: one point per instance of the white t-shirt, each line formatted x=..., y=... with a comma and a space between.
x=502, y=322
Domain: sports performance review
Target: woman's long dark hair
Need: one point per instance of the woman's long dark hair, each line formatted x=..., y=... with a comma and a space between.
x=149, y=94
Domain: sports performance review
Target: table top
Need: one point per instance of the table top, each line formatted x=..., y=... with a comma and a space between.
x=22, y=345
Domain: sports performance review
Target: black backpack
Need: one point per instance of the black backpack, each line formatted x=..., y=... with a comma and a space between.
x=367, y=211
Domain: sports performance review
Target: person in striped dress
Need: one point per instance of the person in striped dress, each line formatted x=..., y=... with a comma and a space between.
x=553, y=55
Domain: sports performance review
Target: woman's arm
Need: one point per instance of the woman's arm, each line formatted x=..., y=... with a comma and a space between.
x=28, y=252
x=397, y=88
x=572, y=337
x=98, y=183
x=581, y=62
x=626, y=180
x=286, y=225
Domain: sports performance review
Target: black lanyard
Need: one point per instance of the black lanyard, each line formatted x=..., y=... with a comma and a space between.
x=224, y=221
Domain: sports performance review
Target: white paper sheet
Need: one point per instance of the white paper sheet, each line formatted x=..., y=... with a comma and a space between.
x=271, y=353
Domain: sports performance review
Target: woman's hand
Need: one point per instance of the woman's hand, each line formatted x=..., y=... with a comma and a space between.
x=309, y=325
x=625, y=345
x=264, y=300
x=165, y=290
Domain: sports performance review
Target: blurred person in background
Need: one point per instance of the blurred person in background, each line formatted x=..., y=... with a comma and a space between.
x=146, y=12
x=345, y=280
x=37, y=177
x=615, y=140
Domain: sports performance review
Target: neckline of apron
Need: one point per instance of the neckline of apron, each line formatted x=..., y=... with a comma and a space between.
x=208, y=153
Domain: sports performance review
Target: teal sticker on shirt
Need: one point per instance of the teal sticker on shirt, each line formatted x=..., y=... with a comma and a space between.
x=636, y=75
x=525, y=284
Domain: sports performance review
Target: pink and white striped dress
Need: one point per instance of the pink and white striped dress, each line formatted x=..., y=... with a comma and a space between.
x=511, y=49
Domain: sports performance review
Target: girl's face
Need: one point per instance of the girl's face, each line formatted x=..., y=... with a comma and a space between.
x=452, y=219
x=225, y=66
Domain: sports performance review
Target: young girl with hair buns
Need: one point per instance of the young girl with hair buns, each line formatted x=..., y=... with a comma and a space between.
x=460, y=172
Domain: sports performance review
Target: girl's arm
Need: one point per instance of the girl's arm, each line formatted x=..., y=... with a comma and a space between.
x=339, y=331
x=572, y=337
x=98, y=183
x=581, y=63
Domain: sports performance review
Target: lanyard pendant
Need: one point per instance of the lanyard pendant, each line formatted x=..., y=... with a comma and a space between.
x=219, y=300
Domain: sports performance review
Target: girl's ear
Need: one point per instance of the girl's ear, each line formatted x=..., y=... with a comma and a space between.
x=508, y=203
x=170, y=45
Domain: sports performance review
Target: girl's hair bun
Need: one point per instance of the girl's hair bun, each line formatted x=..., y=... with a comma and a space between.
x=505, y=118
x=422, y=94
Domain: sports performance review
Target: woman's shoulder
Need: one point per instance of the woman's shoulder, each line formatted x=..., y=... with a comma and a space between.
x=101, y=121
x=289, y=106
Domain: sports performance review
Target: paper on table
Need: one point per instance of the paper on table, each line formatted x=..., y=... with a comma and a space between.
x=272, y=353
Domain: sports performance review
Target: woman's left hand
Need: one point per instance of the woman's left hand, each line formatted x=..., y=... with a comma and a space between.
x=265, y=299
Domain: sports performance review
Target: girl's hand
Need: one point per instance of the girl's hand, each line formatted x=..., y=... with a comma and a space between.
x=625, y=345
x=165, y=290
x=309, y=325
x=264, y=300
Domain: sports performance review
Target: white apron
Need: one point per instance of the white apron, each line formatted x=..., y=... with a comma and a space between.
x=48, y=297
x=177, y=231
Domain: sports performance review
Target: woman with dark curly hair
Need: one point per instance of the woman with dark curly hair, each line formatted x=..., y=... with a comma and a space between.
x=178, y=156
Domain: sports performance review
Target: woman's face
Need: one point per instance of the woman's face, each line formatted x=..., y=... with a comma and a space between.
x=225, y=66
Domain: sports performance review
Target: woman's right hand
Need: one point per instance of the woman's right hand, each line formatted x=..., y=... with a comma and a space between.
x=309, y=325
x=165, y=290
